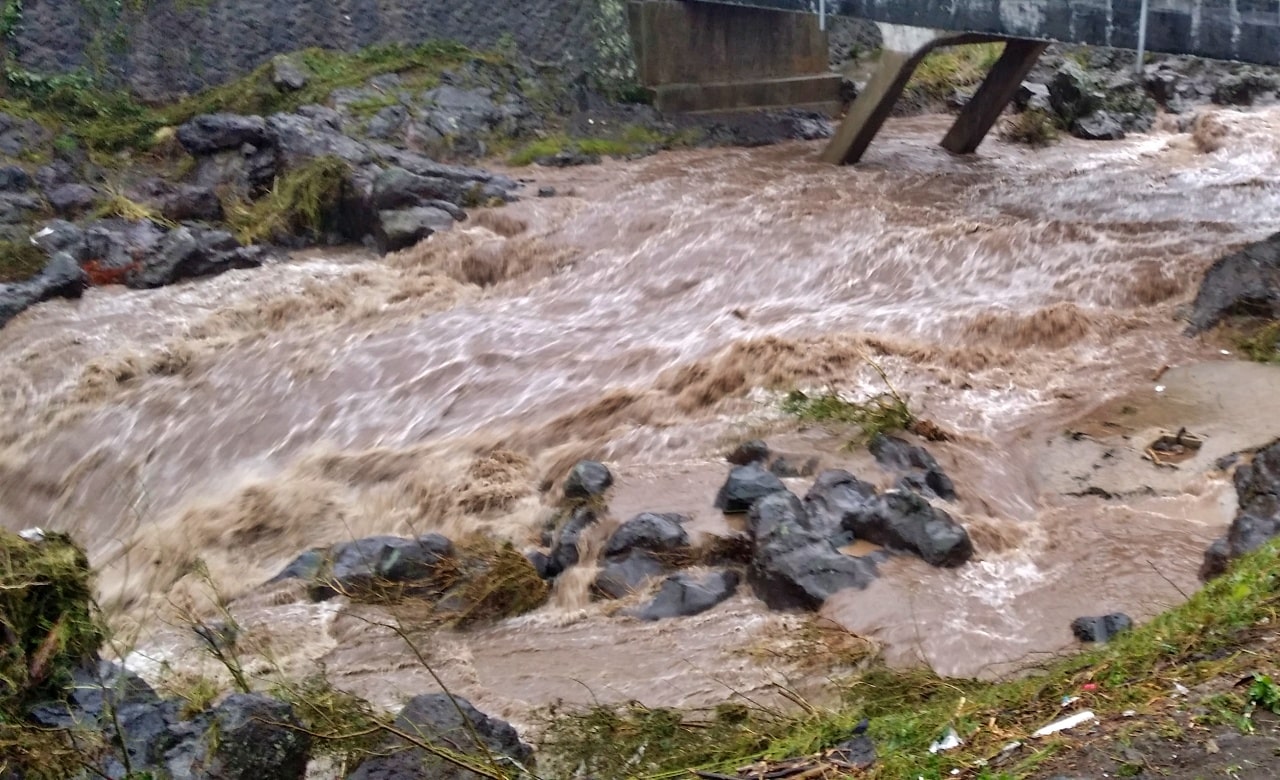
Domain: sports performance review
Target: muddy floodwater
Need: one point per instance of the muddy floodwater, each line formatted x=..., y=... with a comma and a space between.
x=651, y=315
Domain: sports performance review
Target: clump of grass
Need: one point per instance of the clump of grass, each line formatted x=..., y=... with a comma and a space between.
x=909, y=709
x=49, y=627
x=1262, y=345
x=20, y=260
x=1033, y=127
x=345, y=727
x=953, y=67
x=120, y=205
x=884, y=413
x=493, y=581
x=302, y=200
x=632, y=139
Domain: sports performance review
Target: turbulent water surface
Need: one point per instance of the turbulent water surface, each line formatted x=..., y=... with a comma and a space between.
x=649, y=315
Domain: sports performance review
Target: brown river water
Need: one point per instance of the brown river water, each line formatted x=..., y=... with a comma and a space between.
x=651, y=315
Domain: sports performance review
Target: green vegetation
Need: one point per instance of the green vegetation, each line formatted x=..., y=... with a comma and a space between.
x=120, y=205
x=1202, y=639
x=107, y=121
x=884, y=413
x=1033, y=127
x=633, y=139
x=1261, y=345
x=954, y=66
x=19, y=260
x=304, y=200
x=48, y=627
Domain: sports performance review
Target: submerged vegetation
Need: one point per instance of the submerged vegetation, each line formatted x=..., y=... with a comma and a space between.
x=1033, y=127
x=908, y=710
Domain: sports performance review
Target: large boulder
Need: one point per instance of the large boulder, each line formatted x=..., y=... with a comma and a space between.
x=1246, y=282
x=62, y=277
x=450, y=722
x=1257, y=519
x=397, y=188
x=1098, y=126
x=209, y=133
x=248, y=736
x=746, y=485
x=902, y=520
x=13, y=178
x=180, y=202
x=188, y=252
x=71, y=200
x=656, y=532
x=834, y=495
x=404, y=228
x=684, y=594
x=1101, y=628
x=921, y=470
x=565, y=552
x=795, y=564
x=622, y=575
x=1073, y=93
x=587, y=479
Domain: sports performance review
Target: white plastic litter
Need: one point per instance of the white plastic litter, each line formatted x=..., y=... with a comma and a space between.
x=1181, y=689
x=32, y=534
x=948, y=741
x=1159, y=388
x=1065, y=723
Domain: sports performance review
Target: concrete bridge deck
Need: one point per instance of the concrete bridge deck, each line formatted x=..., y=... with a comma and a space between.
x=726, y=54
x=1244, y=30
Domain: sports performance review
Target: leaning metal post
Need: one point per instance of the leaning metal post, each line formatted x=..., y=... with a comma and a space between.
x=1142, y=37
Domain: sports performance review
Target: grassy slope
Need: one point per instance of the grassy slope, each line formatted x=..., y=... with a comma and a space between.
x=1202, y=639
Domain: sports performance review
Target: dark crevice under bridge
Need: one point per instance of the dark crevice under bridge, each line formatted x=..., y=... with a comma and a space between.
x=709, y=55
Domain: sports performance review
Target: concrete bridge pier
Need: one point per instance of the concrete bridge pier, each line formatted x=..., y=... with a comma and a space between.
x=905, y=48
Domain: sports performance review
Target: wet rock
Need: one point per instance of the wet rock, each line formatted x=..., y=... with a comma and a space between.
x=1216, y=559
x=71, y=200
x=540, y=562
x=1032, y=96
x=745, y=486
x=387, y=123
x=59, y=236
x=1073, y=93
x=1246, y=283
x=313, y=132
x=189, y=252
x=787, y=468
x=397, y=188
x=923, y=472
x=19, y=209
x=568, y=159
x=180, y=202
x=747, y=453
x=623, y=575
x=406, y=227
x=565, y=551
x=54, y=174
x=1245, y=87
x=287, y=74
x=362, y=565
x=834, y=495
x=248, y=736
x=662, y=533
x=587, y=479
x=20, y=136
x=1100, y=629
x=858, y=751
x=209, y=133
x=1099, y=126
x=795, y=565
x=546, y=192
x=94, y=690
x=14, y=179
x=438, y=718
x=683, y=594
x=62, y=277
x=906, y=521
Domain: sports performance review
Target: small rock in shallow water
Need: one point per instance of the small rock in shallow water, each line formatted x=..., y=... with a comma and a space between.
x=754, y=451
x=1100, y=629
x=684, y=594
x=546, y=192
x=649, y=531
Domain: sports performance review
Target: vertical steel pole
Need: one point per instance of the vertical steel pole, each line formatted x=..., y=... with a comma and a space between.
x=822, y=15
x=1142, y=37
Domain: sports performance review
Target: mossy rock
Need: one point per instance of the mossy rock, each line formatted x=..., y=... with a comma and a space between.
x=48, y=622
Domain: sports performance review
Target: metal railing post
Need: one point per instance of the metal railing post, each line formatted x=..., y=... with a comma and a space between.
x=1142, y=38
x=822, y=15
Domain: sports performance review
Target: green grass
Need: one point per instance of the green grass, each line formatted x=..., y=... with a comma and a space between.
x=884, y=413
x=301, y=201
x=19, y=260
x=105, y=122
x=632, y=139
x=1032, y=127
x=908, y=710
x=953, y=67
x=1262, y=345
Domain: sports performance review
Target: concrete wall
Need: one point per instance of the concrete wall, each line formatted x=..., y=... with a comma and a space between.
x=1246, y=30
x=177, y=46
